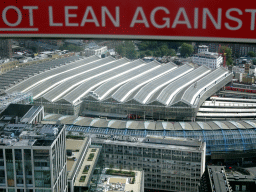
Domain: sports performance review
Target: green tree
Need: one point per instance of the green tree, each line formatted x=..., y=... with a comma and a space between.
x=120, y=49
x=171, y=52
x=71, y=48
x=34, y=49
x=142, y=55
x=251, y=54
x=254, y=61
x=148, y=53
x=157, y=53
x=127, y=50
x=131, y=53
x=186, y=50
x=228, y=52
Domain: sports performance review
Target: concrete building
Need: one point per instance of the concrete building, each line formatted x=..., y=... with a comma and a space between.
x=76, y=152
x=203, y=49
x=209, y=59
x=95, y=51
x=252, y=70
x=32, y=158
x=215, y=180
x=128, y=180
x=5, y=48
x=172, y=164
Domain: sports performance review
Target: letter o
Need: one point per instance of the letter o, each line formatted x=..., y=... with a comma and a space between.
x=5, y=19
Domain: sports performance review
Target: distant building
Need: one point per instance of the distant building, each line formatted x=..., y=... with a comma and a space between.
x=171, y=164
x=5, y=48
x=32, y=158
x=95, y=51
x=252, y=70
x=215, y=180
x=218, y=179
x=203, y=49
x=130, y=180
x=209, y=59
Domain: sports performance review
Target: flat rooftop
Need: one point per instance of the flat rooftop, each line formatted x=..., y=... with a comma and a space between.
x=29, y=135
x=76, y=147
x=121, y=183
x=87, y=167
x=157, y=142
x=218, y=178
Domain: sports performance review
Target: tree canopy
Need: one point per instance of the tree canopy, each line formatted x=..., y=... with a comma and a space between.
x=71, y=48
x=251, y=54
x=228, y=51
x=158, y=48
x=186, y=50
x=127, y=49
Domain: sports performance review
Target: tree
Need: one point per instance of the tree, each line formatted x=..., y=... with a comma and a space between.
x=186, y=50
x=71, y=48
x=164, y=50
x=228, y=52
x=121, y=50
x=254, y=61
x=171, y=52
x=251, y=54
x=111, y=166
x=142, y=55
x=34, y=49
x=148, y=53
x=127, y=50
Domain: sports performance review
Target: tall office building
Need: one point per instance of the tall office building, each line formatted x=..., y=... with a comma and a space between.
x=171, y=164
x=33, y=158
x=5, y=48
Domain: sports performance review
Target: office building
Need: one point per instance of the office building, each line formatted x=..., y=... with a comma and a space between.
x=5, y=48
x=171, y=164
x=33, y=158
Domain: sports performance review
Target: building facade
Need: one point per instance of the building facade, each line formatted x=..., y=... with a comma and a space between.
x=34, y=159
x=95, y=51
x=5, y=48
x=211, y=60
x=203, y=49
x=171, y=164
x=76, y=152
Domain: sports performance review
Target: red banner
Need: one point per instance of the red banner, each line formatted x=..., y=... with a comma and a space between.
x=217, y=20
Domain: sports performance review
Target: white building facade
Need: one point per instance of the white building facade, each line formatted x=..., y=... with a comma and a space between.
x=95, y=51
x=211, y=60
x=203, y=49
x=252, y=70
x=171, y=164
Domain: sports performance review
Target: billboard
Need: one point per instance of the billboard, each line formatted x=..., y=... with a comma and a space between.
x=218, y=20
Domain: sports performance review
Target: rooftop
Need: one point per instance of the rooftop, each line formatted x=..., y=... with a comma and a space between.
x=29, y=135
x=218, y=179
x=87, y=167
x=120, y=183
x=157, y=142
x=74, y=149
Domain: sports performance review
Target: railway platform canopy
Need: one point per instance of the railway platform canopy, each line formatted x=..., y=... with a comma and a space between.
x=123, y=82
x=220, y=136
